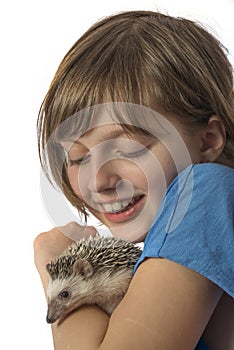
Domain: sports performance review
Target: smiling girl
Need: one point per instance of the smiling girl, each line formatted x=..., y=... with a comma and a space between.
x=138, y=129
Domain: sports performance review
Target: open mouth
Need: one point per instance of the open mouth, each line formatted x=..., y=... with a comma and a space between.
x=118, y=207
x=122, y=210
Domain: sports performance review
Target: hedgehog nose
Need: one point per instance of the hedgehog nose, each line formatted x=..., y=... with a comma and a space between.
x=49, y=320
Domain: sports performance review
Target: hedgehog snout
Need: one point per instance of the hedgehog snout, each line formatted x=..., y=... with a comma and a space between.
x=55, y=310
x=52, y=315
x=49, y=319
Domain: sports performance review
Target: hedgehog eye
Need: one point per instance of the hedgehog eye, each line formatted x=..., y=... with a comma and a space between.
x=64, y=294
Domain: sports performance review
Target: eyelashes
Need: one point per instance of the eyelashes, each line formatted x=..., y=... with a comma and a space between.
x=120, y=155
x=135, y=154
x=79, y=161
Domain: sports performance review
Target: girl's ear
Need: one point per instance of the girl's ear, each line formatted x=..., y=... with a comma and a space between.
x=213, y=139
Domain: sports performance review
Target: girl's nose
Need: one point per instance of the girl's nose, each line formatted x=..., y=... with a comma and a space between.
x=104, y=178
x=102, y=171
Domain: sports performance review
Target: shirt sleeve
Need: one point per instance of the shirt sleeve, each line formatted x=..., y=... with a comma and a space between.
x=195, y=224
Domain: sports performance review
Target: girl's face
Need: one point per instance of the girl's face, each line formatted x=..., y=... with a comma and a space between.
x=122, y=177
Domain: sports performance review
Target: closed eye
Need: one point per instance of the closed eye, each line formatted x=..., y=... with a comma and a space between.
x=127, y=155
x=79, y=161
x=134, y=154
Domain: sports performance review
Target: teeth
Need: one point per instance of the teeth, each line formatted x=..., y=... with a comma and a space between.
x=115, y=207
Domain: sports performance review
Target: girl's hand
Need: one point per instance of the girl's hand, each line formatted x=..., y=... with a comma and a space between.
x=48, y=245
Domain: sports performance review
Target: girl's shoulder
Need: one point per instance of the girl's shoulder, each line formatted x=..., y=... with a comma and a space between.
x=204, y=176
x=213, y=173
x=194, y=224
x=199, y=188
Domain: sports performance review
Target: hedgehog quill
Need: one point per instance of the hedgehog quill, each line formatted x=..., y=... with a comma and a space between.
x=93, y=271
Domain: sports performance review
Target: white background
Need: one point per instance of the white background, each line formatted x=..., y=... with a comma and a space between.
x=35, y=35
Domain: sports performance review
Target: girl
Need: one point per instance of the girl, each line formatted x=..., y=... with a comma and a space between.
x=138, y=129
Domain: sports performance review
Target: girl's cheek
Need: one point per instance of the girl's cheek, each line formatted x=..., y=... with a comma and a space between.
x=73, y=179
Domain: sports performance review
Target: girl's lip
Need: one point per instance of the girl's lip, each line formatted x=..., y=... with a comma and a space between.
x=99, y=201
x=126, y=214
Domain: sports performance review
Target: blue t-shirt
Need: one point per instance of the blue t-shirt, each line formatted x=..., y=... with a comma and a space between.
x=194, y=225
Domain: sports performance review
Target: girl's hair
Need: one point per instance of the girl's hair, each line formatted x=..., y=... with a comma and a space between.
x=142, y=57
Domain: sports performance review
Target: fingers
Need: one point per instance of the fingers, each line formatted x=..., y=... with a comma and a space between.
x=74, y=231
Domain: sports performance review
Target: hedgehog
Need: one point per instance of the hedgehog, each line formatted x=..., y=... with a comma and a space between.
x=93, y=271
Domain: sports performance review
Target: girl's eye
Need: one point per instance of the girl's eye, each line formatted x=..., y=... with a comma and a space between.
x=79, y=161
x=134, y=154
x=129, y=155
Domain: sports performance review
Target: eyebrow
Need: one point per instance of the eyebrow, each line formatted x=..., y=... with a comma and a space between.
x=67, y=142
x=107, y=136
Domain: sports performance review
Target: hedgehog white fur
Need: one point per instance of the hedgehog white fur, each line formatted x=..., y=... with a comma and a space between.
x=93, y=271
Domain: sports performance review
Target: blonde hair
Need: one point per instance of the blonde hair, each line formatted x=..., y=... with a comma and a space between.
x=141, y=57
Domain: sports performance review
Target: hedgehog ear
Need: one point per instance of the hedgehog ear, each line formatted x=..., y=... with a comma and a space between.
x=83, y=267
